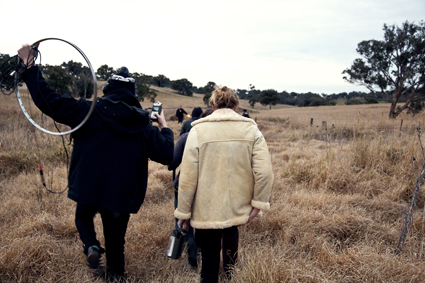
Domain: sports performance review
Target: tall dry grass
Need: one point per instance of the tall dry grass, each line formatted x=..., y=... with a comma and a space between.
x=337, y=204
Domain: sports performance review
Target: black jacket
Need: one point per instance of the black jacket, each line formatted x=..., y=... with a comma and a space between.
x=178, y=156
x=109, y=162
x=179, y=112
x=186, y=127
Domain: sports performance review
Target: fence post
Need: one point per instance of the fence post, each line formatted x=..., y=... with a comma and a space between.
x=324, y=125
x=311, y=123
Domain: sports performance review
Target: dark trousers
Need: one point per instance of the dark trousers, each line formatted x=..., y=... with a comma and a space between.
x=212, y=242
x=180, y=119
x=114, y=229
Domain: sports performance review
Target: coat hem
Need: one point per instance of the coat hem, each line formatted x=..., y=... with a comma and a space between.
x=219, y=224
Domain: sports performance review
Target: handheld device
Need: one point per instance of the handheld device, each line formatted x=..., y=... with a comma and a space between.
x=156, y=108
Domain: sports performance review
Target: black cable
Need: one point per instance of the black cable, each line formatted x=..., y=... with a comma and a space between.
x=13, y=69
x=12, y=72
x=57, y=128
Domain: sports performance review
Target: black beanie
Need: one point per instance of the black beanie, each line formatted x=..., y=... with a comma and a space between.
x=196, y=112
x=121, y=79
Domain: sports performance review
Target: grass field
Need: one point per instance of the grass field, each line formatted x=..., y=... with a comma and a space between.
x=339, y=197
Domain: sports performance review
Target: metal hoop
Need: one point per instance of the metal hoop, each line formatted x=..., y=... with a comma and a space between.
x=18, y=96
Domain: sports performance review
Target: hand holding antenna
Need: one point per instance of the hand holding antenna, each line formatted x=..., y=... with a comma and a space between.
x=28, y=54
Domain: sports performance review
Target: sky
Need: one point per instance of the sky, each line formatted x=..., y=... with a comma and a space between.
x=300, y=46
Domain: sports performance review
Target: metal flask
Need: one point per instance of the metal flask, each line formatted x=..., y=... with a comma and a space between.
x=175, y=245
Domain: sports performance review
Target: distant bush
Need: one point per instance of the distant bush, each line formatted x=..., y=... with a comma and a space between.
x=370, y=99
x=317, y=101
x=354, y=101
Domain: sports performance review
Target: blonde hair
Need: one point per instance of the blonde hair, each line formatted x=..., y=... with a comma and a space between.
x=224, y=97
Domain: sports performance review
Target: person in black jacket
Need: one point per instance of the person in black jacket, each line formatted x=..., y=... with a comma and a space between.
x=179, y=113
x=196, y=112
x=109, y=164
x=177, y=159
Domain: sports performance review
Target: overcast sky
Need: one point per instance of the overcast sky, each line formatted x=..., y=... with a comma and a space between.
x=299, y=45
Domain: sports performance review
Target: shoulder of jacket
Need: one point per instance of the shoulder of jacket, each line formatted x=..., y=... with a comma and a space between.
x=224, y=114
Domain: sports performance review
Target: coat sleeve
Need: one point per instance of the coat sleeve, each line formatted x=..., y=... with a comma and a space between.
x=263, y=173
x=160, y=144
x=61, y=108
x=183, y=129
x=178, y=152
x=188, y=182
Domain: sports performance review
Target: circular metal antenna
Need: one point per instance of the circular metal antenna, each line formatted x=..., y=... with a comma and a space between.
x=18, y=96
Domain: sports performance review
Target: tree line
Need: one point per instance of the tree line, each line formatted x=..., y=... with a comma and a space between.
x=392, y=70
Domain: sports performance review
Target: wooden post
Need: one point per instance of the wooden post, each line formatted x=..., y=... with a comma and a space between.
x=401, y=125
x=324, y=125
x=311, y=122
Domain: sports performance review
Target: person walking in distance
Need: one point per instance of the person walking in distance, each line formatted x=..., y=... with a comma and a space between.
x=109, y=164
x=179, y=113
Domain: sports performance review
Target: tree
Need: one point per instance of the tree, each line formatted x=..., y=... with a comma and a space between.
x=82, y=83
x=143, y=90
x=370, y=99
x=208, y=89
x=6, y=81
x=58, y=79
x=318, y=101
x=3, y=59
x=416, y=107
x=394, y=66
x=269, y=97
x=253, y=95
x=161, y=80
x=252, y=101
x=199, y=90
x=242, y=93
x=183, y=86
x=73, y=68
x=104, y=72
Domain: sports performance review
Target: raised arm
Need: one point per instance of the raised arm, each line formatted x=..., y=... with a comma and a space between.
x=160, y=144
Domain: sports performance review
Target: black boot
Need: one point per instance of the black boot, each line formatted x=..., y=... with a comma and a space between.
x=93, y=256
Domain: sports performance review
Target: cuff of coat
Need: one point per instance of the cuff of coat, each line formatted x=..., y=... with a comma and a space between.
x=181, y=215
x=260, y=205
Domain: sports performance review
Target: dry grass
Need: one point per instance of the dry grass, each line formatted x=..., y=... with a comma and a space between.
x=338, y=200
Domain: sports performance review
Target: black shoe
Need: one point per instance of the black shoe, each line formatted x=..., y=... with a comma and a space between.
x=93, y=257
x=193, y=263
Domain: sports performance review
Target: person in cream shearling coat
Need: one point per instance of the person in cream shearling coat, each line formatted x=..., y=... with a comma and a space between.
x=225, y=179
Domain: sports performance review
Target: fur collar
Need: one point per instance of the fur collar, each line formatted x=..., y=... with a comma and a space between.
x=224, y=114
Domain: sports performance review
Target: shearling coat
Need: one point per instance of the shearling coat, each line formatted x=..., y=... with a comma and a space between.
x=225, y=172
